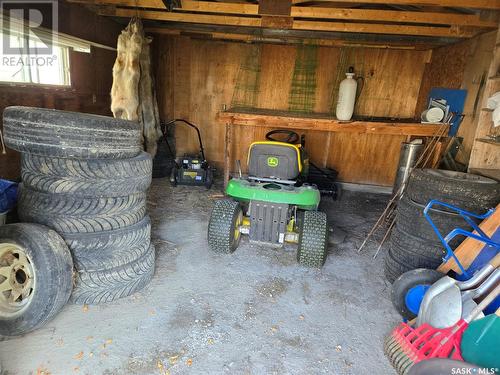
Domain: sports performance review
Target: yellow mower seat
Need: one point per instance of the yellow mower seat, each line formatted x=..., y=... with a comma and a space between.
x=276, y=160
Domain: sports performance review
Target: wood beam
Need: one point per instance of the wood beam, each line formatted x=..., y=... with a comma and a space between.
x=275, y=8
x=392, y=16
x=475, y=4
x=455, y=32
x=182, y=17
x=155, y=4
x=214, y=7
x=370, y=28
x=186, y=5
x=313, y=12
x=246, y=38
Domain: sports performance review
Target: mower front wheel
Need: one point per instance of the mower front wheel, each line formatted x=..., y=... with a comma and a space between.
x=313, y=237
x=224, y=226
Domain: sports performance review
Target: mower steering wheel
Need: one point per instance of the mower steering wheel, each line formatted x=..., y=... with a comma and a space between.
x=288, y=135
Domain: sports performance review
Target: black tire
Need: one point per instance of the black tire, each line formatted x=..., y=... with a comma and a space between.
x=111, y=284
x=313, y=239
x=405, y=282
x=468, y=191
x=414, y=251
x=69, y=214
x=70, y=134
x=50, y=259
x=109, y=249
x=222, y=225
x=392, y=268
x=91, y=177
x=410, y=219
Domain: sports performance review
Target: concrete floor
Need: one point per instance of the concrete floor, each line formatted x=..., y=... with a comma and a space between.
x=253, y=312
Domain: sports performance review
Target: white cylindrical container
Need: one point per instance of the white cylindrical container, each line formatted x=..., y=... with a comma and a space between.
x=347, y=97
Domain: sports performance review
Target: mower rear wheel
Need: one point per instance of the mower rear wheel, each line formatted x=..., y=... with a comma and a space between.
x=313, y=237
x=224, y=226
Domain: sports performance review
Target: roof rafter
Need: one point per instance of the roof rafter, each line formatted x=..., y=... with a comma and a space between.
x=321, y=13
x=475, y=4
x=457, y=32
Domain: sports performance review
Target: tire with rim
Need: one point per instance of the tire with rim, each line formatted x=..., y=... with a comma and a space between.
x=65, y=134
x=67, y=213
x=94, y=287
x=313, y=236
x=111, y=248
x=87, y=177
x=223, y=228
x=410, y=219
x=36, y=271
x=420, y=277
x=466, y=190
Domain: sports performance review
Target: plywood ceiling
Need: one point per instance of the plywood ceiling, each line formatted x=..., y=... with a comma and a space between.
x=391, y=21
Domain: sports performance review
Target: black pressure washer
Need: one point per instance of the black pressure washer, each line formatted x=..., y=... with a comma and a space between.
x=191, y=170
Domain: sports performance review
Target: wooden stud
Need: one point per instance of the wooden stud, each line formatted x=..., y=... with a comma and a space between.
x=227, y=152
x=297, y=25
x=185, y=17
x=246, y=38
x=276, y=22
x=391, y=16
x=275, y=8
x=312, y=12
x=476, y=4
x=456, y=32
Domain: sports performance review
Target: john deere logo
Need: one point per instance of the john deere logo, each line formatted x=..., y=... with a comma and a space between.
x=272, y=161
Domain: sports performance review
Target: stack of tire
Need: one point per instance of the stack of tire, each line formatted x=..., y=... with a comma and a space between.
x=413, y=243
x=86, y=176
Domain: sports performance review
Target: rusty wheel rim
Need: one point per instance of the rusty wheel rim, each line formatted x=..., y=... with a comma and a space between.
x=237, y=225
x=17, y=280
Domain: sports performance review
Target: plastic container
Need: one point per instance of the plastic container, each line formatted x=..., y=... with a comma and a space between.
x=480, y=342
x=433, y=115
x=347, y=97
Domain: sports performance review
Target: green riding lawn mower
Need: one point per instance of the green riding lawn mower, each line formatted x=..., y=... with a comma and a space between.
x=274, y=204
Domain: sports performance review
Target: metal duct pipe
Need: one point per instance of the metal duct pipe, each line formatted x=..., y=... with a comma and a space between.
x=407, y=158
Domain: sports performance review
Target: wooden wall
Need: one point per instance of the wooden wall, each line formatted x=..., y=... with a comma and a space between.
x=462, y=65
x=91, y=76
x=197, y=78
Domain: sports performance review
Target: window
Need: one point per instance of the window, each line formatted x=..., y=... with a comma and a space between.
x=31, y=68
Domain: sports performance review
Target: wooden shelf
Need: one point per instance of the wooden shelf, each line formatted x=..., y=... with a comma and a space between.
x=325, y=122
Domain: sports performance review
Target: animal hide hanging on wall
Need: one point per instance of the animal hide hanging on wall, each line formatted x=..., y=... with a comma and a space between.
x=133, y=95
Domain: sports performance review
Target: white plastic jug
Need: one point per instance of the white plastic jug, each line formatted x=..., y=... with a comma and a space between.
x=347, y=97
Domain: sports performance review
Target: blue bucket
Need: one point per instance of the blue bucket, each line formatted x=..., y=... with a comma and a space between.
x=8, y=195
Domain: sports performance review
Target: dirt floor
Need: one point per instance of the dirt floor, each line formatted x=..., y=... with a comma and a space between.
x=253, y=312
